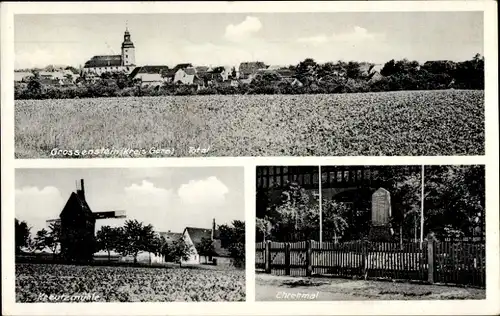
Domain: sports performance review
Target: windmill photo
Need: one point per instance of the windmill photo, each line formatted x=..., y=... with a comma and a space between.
x=77, y=226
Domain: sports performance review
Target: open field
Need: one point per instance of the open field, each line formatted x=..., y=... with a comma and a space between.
x=128, y=284
x=449, y=122
x=272, y=288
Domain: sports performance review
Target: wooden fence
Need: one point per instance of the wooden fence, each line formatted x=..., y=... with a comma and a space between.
x=434, y=262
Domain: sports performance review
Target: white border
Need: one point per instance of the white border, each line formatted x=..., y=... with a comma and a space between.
x=488, y=306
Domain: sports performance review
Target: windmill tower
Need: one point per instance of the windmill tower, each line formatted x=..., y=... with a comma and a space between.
x=77, y=226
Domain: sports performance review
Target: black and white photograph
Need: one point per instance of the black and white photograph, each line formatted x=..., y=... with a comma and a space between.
x=250, y=158
x=370, y=233
x=129, y=235
x=249, y=84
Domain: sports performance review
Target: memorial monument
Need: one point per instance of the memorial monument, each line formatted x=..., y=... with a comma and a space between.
x=380, y=228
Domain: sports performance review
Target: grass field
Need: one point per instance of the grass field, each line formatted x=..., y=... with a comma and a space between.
x=449, y=122
x=37, y=282
x=271, y=288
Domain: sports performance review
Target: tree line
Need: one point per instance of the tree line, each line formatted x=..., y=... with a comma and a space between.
x=454, y=207
x=132, y=238
x=309, y=77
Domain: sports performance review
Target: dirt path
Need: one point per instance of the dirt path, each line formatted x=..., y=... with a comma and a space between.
x=276, y=288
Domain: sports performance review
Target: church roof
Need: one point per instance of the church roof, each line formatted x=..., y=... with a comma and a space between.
x=104, y=61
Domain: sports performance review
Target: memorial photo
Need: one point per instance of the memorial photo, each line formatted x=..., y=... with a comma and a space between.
x=341, y=232
x=249, y=84
x=129, y=235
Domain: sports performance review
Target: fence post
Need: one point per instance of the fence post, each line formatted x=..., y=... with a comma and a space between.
x=268, y=257
x=287, y=258
x=430, y=258
x=309, y=258
x=363, y=257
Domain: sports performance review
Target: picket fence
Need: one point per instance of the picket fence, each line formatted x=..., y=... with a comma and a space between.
x=433, y=262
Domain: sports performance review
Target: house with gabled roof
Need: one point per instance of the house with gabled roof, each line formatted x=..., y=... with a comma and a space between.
x=194, y=236
x=151, y=75
x=187, y=76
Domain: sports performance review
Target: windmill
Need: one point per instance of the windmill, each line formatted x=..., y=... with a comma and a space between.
x=77, y=226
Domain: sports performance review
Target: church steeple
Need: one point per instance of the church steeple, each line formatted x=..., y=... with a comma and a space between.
x=128, y=49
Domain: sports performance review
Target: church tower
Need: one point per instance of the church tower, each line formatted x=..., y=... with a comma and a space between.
x=128, y=50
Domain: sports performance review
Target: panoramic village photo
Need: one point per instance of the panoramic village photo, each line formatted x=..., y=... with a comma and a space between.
x=370, y=233
x=129, y=235
x=236, y=84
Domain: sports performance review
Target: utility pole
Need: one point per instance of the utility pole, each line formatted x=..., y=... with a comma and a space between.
x=320, y=179
x=422, y=208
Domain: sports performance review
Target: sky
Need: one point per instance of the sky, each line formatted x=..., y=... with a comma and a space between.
x=167, y=198
x=228, y=39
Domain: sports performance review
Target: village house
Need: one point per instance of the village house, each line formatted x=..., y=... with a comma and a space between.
x=194, y=236
x=187, y=76
x=153, y=76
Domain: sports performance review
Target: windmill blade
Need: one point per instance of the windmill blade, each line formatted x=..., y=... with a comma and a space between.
x=110, y=214
x=55, y=220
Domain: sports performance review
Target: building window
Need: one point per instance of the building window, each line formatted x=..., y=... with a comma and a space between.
x=126, y=56
x=332, y=176
x=307, y=179
x=324, y=177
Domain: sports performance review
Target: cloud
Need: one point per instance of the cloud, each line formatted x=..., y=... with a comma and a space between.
x=36, y=205
x=208, y=191
x=146, y=203
x=318, y=39
x=356, y=35
x=244, y=30
x=30, y=56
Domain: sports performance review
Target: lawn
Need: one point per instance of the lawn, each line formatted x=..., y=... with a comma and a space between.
x=62, y=283
x=449, y=122
x=276, y=288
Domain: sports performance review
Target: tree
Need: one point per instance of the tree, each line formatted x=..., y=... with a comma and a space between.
x=177, y=251
x=335, y=218
x=22, y=235
x=455, y=200
x=406, y=198
x=34, y=85
x=135, y=238
x=156, y=245
x=306, y=71
x=206, y=248
x=232, y=238
x=108, y=239
x=40, y=239
x=352, y=70
x=263, y=228
x=54, y=237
